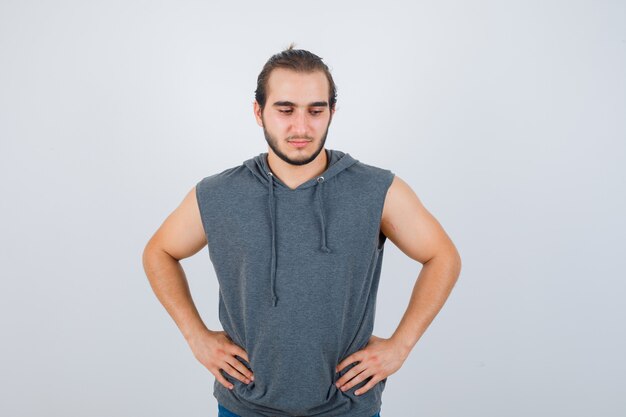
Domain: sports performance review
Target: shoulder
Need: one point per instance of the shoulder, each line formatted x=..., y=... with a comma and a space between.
x=221, y=179
x=401, y=200
x=378, y=177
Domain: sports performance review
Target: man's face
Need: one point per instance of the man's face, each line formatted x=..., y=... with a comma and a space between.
x=296, y=117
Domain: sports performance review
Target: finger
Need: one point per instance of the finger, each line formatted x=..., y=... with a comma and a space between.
x=352, y=377
x=347, y=361
x=354, y=381
x=220, y=378
x=238, y=350
x=235, y=373
x=367, y=386
x=355, y=357
x=236, y=364
x=239, y=370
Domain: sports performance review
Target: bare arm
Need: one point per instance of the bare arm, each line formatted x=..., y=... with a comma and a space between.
x=409, y=225
x=180, y=236
x=419, y=235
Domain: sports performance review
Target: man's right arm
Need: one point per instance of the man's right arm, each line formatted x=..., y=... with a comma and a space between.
x=180, y=236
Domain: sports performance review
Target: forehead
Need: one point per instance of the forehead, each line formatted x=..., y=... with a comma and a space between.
x=286, y=84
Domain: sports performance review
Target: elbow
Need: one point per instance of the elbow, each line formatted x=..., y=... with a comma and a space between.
x=150, y=254
x=452, y=259
x=146, y=255
x=456, y=261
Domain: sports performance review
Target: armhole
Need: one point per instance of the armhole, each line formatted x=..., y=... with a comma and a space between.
x=199, y=191
x=382, y=238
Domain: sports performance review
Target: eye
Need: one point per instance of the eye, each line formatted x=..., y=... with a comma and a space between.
x=313, y=112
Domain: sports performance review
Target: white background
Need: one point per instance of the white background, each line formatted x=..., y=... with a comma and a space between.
x=506, y=118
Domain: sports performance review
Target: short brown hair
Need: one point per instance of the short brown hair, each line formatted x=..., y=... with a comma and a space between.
x=297, y=60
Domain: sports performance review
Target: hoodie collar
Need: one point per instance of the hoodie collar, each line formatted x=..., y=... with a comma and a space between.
x=337, y=162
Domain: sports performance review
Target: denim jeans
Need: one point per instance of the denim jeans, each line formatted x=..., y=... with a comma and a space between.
x=224, y=412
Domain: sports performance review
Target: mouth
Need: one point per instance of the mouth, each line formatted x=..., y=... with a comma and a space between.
x=299, y=143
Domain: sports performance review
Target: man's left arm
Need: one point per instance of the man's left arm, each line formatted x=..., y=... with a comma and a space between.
x=409, y=225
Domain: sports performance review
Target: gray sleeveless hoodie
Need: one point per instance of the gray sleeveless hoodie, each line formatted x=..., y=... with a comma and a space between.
x=298, y=273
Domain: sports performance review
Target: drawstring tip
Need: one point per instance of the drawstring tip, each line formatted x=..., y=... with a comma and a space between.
x=326, y=249
x=274, y=299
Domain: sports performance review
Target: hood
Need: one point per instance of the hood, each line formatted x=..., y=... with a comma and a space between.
x=337, y=162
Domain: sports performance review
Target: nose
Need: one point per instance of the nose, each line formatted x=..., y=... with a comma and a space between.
x=300, y=124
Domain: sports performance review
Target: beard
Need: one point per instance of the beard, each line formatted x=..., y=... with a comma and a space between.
x=273, y=144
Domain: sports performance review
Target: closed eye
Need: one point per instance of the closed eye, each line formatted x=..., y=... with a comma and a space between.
x=314, y=112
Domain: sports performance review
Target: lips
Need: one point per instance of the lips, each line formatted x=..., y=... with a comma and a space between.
x=299, y=143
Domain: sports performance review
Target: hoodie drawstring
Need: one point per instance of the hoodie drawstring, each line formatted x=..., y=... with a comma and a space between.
x=273, y=220
x=320, y=206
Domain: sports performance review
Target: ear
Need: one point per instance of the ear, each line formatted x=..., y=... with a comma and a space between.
x=257, y=113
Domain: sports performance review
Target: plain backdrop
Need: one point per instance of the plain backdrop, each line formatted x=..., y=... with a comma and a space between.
x=505, y=117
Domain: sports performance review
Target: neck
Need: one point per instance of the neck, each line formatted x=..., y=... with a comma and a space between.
x=294, y=175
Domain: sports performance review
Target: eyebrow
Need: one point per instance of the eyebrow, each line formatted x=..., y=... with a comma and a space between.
x=313, y=104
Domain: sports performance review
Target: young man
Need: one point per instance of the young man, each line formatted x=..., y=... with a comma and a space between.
x=296, y=237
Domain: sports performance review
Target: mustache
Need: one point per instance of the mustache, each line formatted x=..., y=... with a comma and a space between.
x=300, y=138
